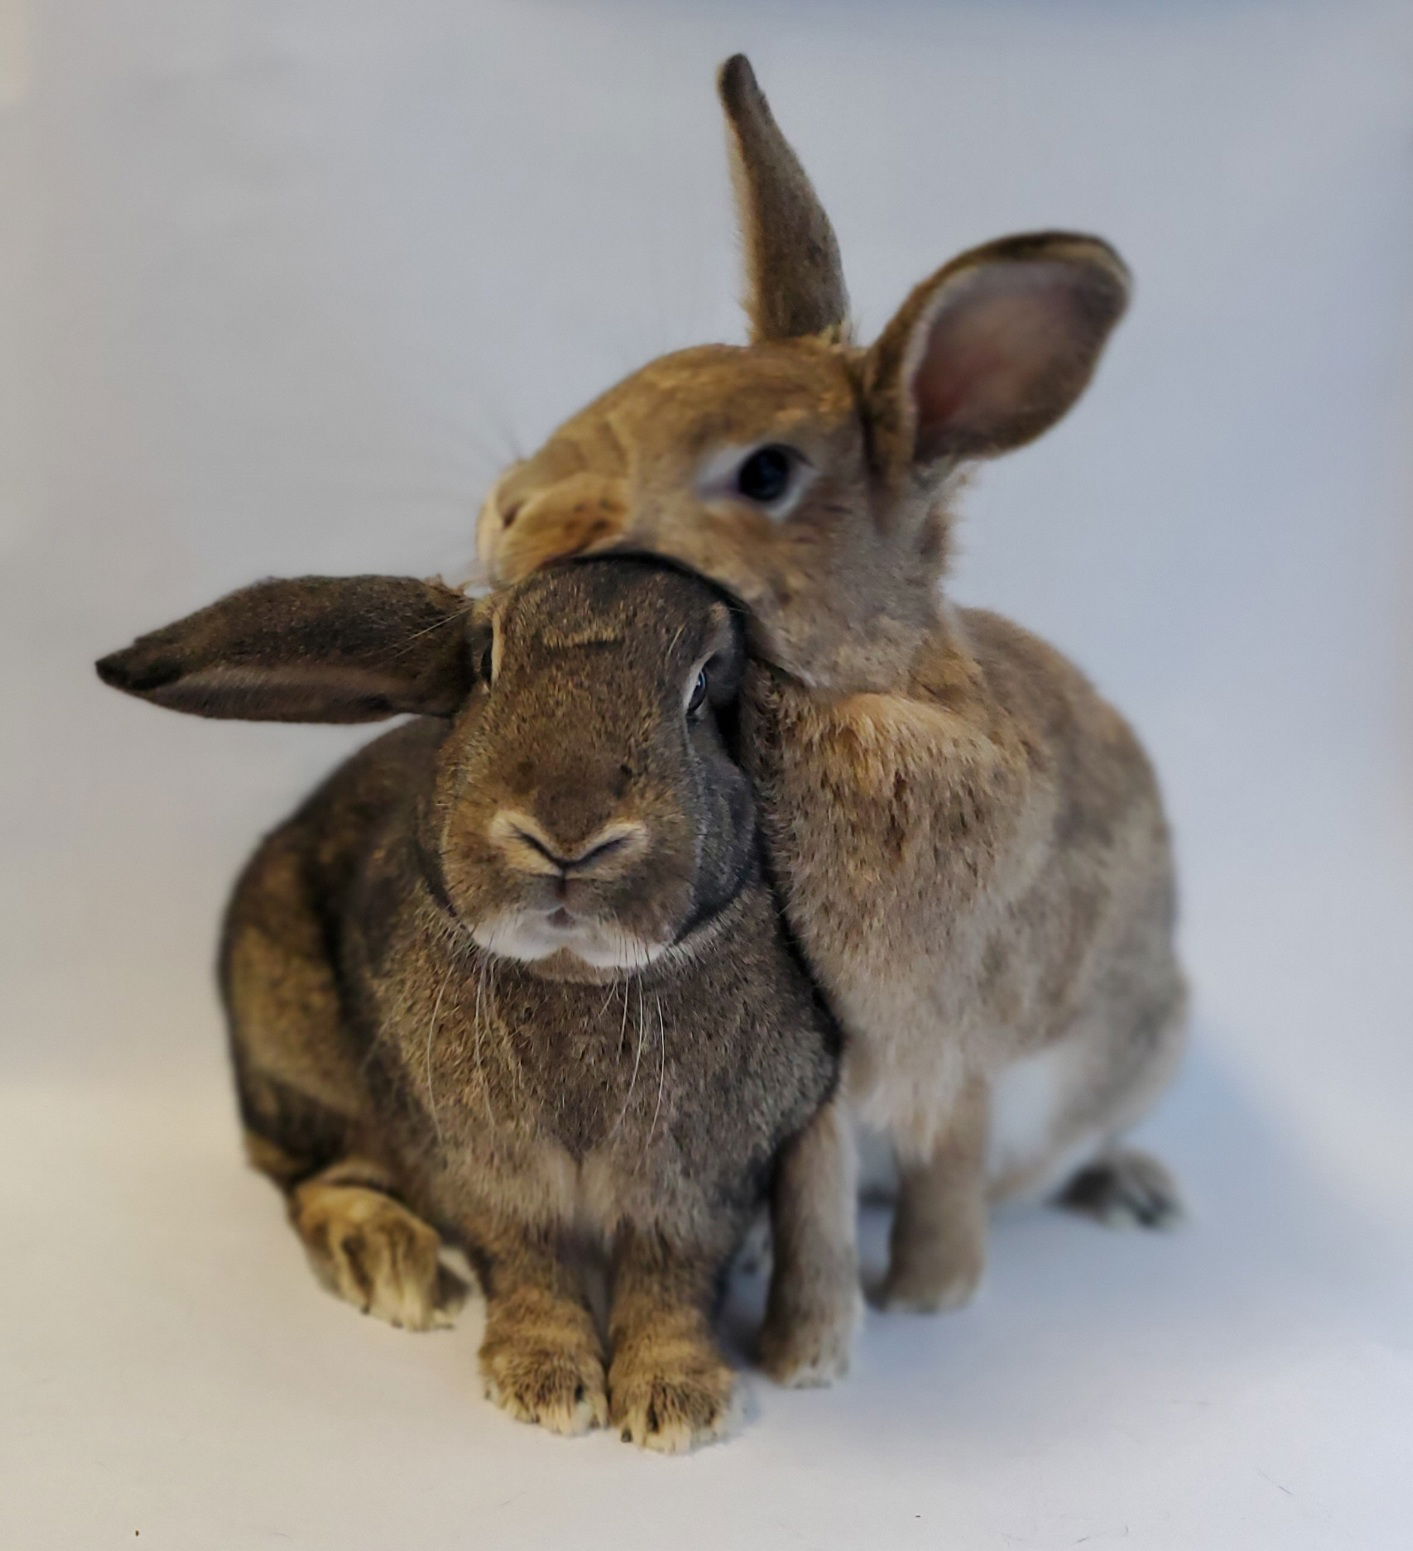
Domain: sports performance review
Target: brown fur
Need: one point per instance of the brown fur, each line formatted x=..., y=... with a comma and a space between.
x=406, y=1086
x=969, y=839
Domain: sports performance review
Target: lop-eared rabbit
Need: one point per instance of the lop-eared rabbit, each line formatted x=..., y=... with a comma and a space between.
x=969, y=839
x=512, y=975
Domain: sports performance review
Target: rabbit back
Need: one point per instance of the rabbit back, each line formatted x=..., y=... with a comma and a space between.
x=307, y=1085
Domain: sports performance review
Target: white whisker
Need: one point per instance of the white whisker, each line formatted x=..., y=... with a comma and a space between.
x=662, y=1065
x=482, y=971
x=637, y=1055
x=608, y=1001
x=439, y=624
x=512, y=1055
x=431, y=1032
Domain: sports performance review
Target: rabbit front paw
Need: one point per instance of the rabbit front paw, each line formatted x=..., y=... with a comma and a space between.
x=369, y=1250
x=930, y=1279
x=673, y=1399
x=804, y=1347
x=545, y=1368
x=913, y=1294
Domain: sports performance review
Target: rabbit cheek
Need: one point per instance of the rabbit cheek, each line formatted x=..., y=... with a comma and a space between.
x=727, y=844
x=482, y=902
x=660, y=910
x=578, y=514
x=475, y=883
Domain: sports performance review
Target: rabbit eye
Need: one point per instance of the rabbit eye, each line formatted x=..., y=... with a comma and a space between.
x=697, y=699
x=765, y=475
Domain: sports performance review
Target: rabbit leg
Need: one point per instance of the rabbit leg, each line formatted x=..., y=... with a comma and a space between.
x=541, y=1357
x=1077, y=1157
x=669, y=1386
x=814, y=1304
x=937, y=1251
x=366, y=1247
x=311, y=1119
x=1121, y=1186
x=1125, y=1188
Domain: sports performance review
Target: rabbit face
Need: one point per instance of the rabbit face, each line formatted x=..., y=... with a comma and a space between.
x=583, y=809
x=586, y=810
x=746, y=464
x=805, y=474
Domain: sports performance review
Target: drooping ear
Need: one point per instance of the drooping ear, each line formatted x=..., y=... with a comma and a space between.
x=994, y=348
x=314, y=649
x=794, y=280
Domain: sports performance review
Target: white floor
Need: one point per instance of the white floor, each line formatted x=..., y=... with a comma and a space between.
x=277, y=284
x=172, y=1373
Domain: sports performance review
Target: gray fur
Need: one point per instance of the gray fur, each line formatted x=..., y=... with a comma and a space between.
x=406, y=1087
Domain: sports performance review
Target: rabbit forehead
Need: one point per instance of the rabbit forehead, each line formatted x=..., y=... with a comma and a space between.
x=695, y=398
x=622, y=601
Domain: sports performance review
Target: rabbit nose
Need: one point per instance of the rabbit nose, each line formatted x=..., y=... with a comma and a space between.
x=530, y=847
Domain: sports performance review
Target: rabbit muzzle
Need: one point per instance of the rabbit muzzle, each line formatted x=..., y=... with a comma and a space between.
x=612, y=895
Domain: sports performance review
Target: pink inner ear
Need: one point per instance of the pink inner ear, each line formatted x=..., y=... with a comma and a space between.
x=996, y=345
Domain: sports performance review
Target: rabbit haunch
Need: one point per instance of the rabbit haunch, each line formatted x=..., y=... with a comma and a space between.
x=644, y=1057
x=969, y=840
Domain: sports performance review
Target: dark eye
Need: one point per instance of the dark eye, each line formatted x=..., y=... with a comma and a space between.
x=765, y=476
x=698, y=696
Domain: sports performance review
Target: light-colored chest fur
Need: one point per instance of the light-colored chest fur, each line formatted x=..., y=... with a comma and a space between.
x=534, y=1180
x=914, y=847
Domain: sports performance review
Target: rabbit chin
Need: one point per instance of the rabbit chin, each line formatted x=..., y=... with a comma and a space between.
x=599, y=944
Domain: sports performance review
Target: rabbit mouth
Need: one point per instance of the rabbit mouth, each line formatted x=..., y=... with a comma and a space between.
x=531, y=936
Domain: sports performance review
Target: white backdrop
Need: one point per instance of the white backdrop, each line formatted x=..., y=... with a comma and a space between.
x=283, y=284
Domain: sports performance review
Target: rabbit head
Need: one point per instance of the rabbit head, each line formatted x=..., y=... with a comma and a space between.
x=583, y=807
x=804, y=473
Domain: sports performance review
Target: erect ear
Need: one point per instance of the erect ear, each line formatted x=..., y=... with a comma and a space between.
x=314, y=649
x=794, y=280
x=994, y=348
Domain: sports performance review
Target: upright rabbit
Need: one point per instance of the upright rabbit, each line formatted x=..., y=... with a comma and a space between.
x=970, y=840
x=511, y=975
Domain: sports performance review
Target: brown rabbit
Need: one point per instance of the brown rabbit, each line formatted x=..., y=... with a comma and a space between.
x=969, y=840
x=511, y=976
